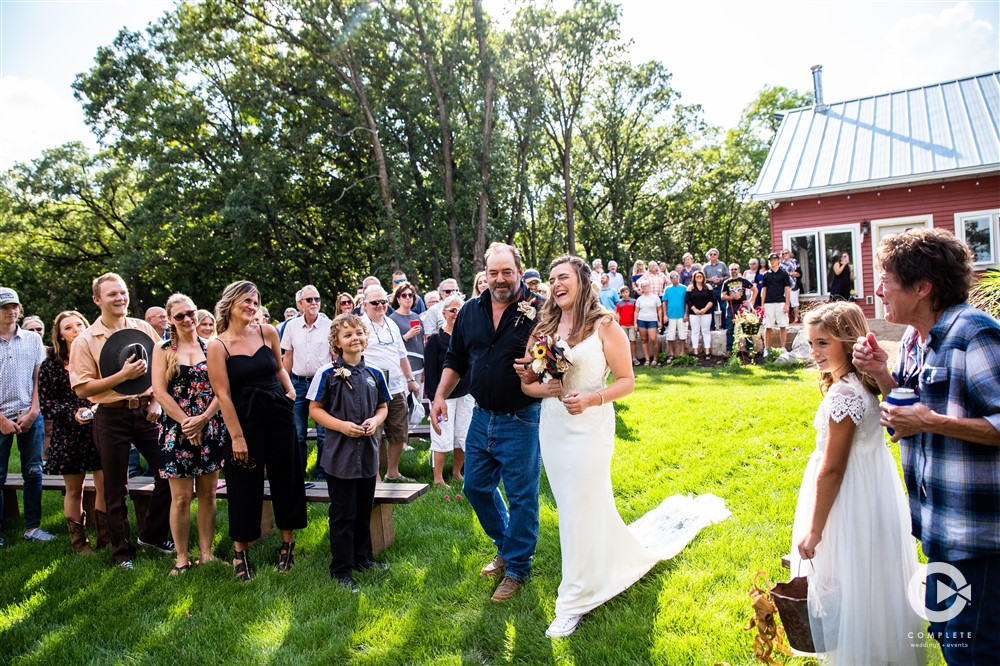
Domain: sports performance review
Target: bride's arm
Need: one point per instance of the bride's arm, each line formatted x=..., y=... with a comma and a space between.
x=619, y=358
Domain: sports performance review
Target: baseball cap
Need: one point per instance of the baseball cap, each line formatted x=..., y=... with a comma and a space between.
x=774, y=255
x=8, y=296
x=532, y=274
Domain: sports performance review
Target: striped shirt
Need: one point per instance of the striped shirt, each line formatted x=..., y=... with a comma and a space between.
x=954, y=485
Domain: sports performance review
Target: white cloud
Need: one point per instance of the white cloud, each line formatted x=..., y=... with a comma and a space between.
x=36, y=116
x=953, y=40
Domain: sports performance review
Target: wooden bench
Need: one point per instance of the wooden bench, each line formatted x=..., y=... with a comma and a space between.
x=383, y=530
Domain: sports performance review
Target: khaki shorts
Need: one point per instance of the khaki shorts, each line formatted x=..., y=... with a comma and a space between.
x=775, y=315
x=395, y=429
x=630, y=332
x=677, y=329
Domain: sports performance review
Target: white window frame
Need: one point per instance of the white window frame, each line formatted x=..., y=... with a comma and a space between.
x=994, y=215
x=821, y=273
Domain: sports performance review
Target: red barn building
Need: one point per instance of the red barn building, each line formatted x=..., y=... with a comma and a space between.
x=841, y=177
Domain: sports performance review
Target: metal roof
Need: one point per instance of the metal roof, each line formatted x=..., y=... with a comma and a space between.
x=945, y=130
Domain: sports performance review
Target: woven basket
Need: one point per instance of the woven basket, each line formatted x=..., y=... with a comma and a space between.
x=791, y=598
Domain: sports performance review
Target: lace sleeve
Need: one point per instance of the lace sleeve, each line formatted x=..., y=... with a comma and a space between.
x=846, y=401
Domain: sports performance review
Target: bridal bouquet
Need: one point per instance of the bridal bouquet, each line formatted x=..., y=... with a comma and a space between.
x=552, y=357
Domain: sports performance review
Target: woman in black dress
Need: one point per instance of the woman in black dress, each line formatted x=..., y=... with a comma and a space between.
x=71, y=452
x=842, y=280
x=191, y=429
x=256, y=395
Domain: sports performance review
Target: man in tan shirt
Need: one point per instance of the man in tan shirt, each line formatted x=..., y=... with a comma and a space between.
x=121, y=421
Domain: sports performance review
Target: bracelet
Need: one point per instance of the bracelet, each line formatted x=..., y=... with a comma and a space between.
x=602, y=398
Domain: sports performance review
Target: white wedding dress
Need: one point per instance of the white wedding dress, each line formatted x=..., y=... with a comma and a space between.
x=601, y=556
x=858, y=578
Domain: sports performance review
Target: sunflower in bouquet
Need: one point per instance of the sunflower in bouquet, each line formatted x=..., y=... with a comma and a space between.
x=551, y=356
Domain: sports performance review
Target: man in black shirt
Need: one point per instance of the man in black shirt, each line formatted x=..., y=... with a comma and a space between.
x=491, y=332
x=775, y=294
x=734, y=292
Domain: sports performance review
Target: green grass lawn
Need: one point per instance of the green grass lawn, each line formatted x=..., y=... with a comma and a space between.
x=744, y=435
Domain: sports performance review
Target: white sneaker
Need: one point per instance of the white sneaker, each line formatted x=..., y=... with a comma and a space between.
x=38, y=534
x=563, y=626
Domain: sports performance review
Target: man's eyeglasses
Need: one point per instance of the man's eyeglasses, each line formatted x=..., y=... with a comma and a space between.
x=311, y=299
x=34, y=330
x=399, y=281
x=452, y=310
x=181, y=316
x=448, y=291
x=379, y=302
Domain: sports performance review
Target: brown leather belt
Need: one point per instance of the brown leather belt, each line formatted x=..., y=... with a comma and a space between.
x=141, y=402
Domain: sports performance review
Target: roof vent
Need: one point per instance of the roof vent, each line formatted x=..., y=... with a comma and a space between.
x=817, y=71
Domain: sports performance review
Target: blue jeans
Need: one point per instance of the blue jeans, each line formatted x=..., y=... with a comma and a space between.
x=504, y=447
x=300, y=413
x=728, y=322
x=980, y=619
x=29, y=444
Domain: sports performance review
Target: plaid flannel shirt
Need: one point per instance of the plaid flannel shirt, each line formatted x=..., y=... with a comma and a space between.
x=954, y=485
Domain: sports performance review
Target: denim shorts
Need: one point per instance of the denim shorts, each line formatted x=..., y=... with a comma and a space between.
x=647, y=324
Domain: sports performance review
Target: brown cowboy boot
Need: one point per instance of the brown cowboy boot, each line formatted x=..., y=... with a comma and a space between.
x=78, y=535
x=102, y=529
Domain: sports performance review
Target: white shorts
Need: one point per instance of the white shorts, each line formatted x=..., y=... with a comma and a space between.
x=794, y=298
x=677, y=329
x=454, y=430
x=775, y=315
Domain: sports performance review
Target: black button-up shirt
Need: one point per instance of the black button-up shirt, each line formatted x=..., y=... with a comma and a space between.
x=486, y=355
x=351, y=399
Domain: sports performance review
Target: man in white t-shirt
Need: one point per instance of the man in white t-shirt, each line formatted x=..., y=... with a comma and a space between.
x=387, y=352
x=305, y=345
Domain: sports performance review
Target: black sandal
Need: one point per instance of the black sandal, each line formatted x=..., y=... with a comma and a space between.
x=286, y=556
x=243, y=570
x=179, y=569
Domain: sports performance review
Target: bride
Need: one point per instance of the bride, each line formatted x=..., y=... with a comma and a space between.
x=601, y=556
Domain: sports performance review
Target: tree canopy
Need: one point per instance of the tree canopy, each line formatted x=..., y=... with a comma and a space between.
x=306, y=141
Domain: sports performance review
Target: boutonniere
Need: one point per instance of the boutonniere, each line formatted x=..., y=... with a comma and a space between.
x=344, y=374
x=528, y=310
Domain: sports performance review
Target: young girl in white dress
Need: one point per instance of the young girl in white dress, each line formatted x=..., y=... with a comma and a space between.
x=601, y=556
x=851, y=521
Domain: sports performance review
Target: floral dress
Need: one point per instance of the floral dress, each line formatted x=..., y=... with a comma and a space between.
x=192, y=392
x=71, y=450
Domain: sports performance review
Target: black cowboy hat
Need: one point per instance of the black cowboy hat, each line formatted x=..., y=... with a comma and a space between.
x=120, y=347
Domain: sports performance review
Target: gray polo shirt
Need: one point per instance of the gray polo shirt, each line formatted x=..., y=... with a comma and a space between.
x=19, y=358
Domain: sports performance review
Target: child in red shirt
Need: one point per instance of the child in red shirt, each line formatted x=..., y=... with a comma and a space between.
x=626, y=318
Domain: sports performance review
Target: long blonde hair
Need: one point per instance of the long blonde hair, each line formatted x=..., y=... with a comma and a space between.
x=170, y=346
x=587, y=309
x=845, y=322
x=231, y=295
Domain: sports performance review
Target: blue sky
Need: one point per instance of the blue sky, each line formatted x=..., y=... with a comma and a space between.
x=721, y=53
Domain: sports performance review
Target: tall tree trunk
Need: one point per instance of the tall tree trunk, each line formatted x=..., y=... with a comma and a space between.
x=447, y=158
x=568, y=185
x=489, y=88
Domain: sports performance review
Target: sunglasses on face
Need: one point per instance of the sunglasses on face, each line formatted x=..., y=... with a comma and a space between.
x=181, y=316
x=380, y=302
x=343, y=303
x=35, y=330
x=406, y=296
x=311, y=299
x=451, y=310
x=448, y=291
x=399, y=281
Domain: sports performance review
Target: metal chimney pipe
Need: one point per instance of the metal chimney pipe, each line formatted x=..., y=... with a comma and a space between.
x=817, y=71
